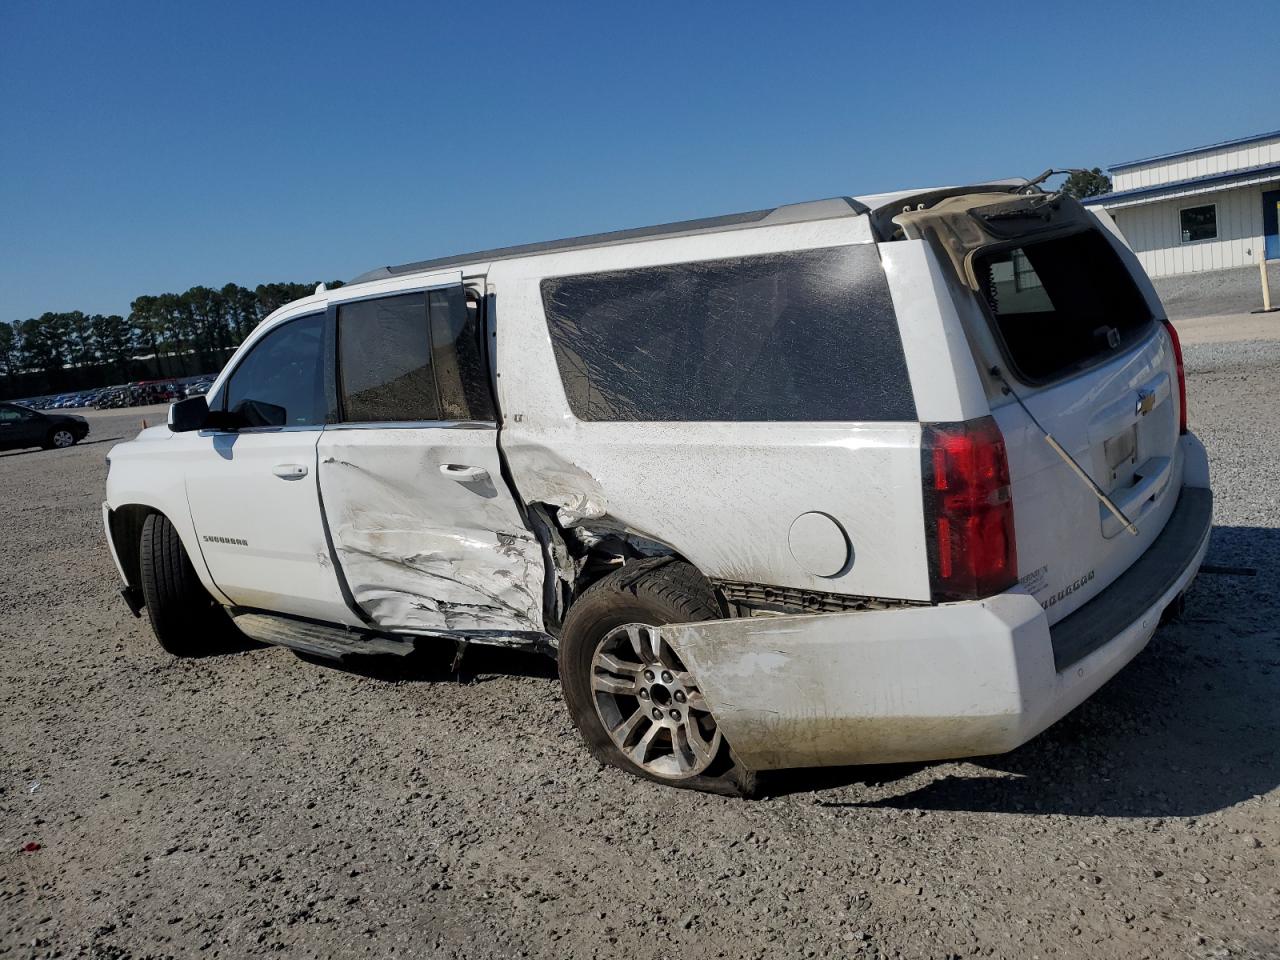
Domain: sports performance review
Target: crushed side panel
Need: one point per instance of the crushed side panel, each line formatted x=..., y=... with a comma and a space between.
x=421, y=551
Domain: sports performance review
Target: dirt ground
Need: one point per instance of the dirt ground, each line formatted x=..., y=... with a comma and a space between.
x=255, y=804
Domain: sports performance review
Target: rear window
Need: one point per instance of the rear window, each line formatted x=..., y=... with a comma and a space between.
x=1061, y=305
x=804, y=336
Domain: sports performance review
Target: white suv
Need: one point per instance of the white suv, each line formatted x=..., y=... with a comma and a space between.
x=900, y=477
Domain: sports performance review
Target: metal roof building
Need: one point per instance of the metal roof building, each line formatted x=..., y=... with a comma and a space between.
x=1206, y=208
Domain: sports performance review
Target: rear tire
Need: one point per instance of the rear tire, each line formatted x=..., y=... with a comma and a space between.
x=185, y=619
x=608, y=624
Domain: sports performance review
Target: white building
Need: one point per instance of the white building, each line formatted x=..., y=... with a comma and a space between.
x=1207, y=208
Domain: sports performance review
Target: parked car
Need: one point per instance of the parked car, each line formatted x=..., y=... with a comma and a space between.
x=197, y=389
x=893, y=478
x=154, y=391
x=21, y=426
x=112, y=398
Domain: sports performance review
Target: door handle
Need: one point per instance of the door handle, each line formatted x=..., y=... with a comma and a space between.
x=463, y=473
x=289, y=471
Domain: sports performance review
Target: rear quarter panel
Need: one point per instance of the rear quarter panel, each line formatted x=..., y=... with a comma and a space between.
x=725, y=495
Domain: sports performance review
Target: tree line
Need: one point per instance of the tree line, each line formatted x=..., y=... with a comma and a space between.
x=164, y=335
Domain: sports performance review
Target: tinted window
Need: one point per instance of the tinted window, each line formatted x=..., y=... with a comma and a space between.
x=1198, y=223
x=415, y=357
x=384, y=363
x=809, y=335
x=15, y=414
x=280, y=382
x=457, y=356
x=1061, y=304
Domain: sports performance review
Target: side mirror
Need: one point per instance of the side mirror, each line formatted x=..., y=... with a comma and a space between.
x=187, y=415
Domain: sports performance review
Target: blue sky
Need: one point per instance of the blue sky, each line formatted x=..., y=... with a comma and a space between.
x=148, y=147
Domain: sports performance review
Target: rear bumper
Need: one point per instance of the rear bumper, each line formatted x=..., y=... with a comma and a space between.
x=930, y=682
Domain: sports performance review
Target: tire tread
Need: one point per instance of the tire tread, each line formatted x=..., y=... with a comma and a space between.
x=183, y=616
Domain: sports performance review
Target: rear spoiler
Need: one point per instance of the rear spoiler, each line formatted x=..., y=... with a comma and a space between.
x=962, y=225
x=882, y=218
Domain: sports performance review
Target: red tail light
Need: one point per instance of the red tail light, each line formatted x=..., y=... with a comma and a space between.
x=968, y=510
x=1182, y=377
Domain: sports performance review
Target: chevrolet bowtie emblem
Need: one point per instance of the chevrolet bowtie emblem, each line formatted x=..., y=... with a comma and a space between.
x=1146, y=402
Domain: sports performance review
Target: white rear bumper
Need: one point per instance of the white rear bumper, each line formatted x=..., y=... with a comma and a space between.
x=928, y=682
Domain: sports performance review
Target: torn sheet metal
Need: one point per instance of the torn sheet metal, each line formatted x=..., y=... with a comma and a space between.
x=423, y=551
x=877, y=686
x=547, y=477
x=561, y=568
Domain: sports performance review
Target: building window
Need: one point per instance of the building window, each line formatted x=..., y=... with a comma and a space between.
x=1199, y=223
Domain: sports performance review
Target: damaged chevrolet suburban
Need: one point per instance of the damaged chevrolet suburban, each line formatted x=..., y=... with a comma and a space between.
x=897, y=477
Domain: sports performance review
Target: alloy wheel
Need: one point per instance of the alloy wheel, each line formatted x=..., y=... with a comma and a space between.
x=651, y=705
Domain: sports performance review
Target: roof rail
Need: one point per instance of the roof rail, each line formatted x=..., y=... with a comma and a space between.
x=790, y=213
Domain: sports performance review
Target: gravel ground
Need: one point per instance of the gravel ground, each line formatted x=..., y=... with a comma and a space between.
x=253, y=803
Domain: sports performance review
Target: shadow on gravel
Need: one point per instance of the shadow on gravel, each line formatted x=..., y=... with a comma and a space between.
x=1188, y=728
x=82, y=443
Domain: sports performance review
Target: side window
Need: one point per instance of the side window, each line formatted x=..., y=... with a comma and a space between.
x=413, y=357
x=457, y=353
x=280, y=382
x=809, y=335
x=384, y=360
x=10, y=415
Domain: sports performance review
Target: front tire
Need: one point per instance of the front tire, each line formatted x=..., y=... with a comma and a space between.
x=60, y=438
x=633, y=701
x=184, y=618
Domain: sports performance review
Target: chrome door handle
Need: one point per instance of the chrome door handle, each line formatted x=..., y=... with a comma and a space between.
x=463, y=473
x=289, y=471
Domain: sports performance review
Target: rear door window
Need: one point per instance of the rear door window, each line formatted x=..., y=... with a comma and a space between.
x=457, y=356
x=415, y=357
x=1062, y=304
x=802, y=336
x=384, y=360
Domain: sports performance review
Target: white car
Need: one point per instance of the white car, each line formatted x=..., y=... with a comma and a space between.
x=900, y=477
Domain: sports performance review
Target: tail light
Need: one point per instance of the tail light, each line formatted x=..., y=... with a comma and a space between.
x=1182, y=377
x=968, y=510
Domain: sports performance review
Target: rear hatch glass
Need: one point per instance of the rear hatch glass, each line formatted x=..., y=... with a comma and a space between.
x=1060, y=305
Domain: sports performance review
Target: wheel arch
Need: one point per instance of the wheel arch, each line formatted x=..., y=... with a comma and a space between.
x=124, y=526
x=582, y=554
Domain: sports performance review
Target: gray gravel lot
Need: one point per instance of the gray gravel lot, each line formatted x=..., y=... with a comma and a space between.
x=253, y=803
